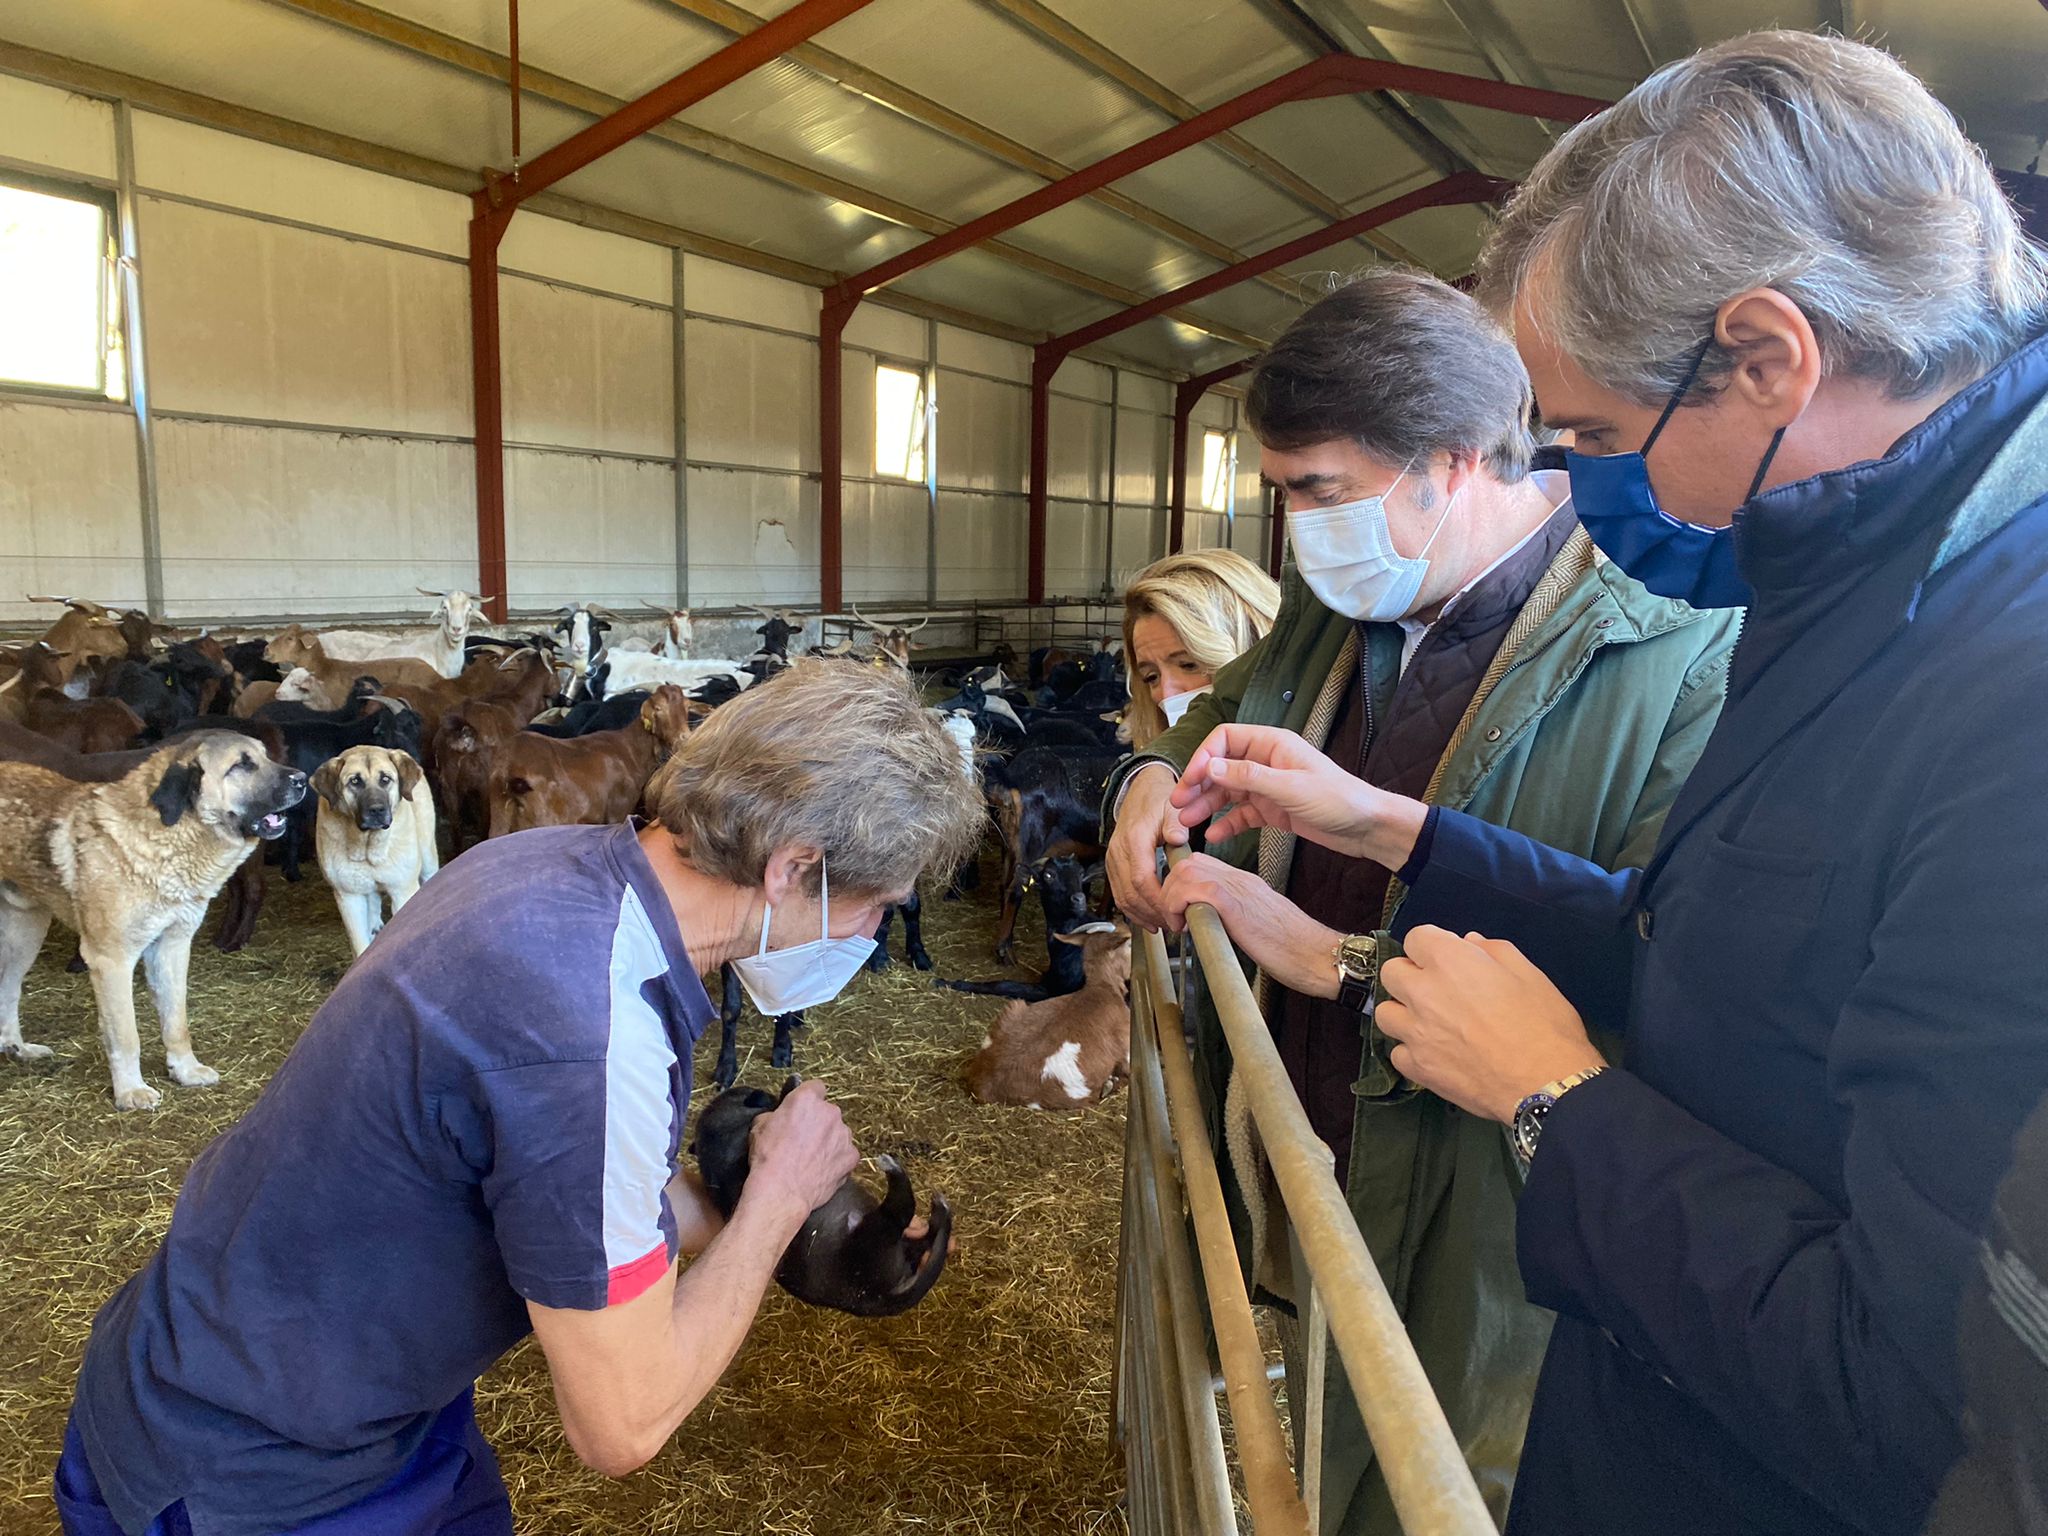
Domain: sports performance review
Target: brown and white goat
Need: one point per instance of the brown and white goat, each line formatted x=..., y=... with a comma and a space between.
x=1066, y=1052
x=893, y=641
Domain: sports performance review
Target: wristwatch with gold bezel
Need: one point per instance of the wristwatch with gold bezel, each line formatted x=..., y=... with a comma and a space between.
x=1357, y=957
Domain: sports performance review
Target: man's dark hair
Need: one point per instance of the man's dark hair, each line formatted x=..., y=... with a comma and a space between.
x=1405, y=366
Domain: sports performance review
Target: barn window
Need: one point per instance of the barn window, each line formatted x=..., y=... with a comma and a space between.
x=58, y=319
x=1219, y=468
x=899, y=422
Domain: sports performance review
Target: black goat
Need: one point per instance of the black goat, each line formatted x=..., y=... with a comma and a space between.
x=727, y=1072
x=912, y=912
x=149, y=693
x=595, y=714
x=1062, y=886
x=853, y=1253
x=1048, y=804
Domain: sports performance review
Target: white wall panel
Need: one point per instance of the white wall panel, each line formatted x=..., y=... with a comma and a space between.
x=889, y=331
x=984, y=354
x=753, y=396
x=982, y=543
x=1144, y=445
x=753, y=537
x=1077, y=448
x=270, y=322
x=1074, y=549
x=885, y=533
x=984, y=432
x=69, y=510
x=594, y=258
x=47, y=127
x=714, y=288
x=585, y=529
x=180, y=157
x=586, y=372
x=267, y=521
x=1140, y=539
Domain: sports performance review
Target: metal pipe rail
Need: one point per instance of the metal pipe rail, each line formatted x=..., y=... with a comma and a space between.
x=1171, y=1462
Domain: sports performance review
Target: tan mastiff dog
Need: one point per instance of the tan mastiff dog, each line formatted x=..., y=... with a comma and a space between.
x=130, y=866
x=376, y=835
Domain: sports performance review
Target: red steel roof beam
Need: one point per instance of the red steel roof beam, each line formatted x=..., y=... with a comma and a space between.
x=740, y=57
x=1331, y=75
x=1464, y=187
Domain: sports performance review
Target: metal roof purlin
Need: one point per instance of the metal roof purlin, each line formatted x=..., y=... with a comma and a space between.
x=500, y=197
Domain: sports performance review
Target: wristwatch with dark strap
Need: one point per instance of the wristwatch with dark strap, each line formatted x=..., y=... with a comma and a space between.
x=1357, y=957
x=1526, y=1129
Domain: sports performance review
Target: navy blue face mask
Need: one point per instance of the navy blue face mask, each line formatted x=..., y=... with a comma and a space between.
x=1612, y=496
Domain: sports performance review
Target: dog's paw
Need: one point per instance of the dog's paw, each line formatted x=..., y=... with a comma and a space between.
x=21, y=1050
x=144, y=1097
x=193, y=1074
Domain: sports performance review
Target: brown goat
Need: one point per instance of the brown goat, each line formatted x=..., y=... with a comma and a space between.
x=1065, y=1052
x=461, y=753
x=86, y=633
x=538, y=781
x=83, y=725
x=522, y=682
x=298, y=647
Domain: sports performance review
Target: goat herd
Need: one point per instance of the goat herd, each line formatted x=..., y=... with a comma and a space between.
x=139, y=768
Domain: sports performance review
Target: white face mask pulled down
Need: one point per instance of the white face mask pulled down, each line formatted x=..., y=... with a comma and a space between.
x=1174, y=705
x=1346, y=555
x=804, y=975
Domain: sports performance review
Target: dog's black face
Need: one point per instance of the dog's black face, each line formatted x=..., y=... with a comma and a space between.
x=225, y=780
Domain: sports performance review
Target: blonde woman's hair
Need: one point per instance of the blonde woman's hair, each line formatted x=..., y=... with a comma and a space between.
x=1215, y=600
x=837, y=754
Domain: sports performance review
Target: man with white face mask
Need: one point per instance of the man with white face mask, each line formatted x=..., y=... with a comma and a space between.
x=1448, y=629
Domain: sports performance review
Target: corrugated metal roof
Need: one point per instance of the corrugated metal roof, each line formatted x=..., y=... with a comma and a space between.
x=794, y=163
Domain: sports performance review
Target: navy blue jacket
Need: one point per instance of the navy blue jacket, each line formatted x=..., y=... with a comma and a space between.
x=1833, y=984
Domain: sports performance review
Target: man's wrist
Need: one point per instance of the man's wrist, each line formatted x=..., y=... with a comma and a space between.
x=774, y=1205
x=1389, y=824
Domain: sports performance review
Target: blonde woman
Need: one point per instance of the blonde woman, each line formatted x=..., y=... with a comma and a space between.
x=1185, y=617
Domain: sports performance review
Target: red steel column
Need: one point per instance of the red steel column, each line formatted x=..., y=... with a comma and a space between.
x=486, y=229
x=501, y=197
x=1184, y=397
x=1043, y=366
x=831, y=455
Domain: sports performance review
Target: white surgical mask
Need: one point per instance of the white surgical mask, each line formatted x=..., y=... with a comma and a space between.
x=1174, y=705
x=1346, y=555
x=804, y=975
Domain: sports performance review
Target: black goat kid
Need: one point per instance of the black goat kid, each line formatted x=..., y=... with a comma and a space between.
x=853, y=1253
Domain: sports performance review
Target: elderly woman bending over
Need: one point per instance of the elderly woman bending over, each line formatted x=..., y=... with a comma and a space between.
x=477, y=1136
x=1185, y=618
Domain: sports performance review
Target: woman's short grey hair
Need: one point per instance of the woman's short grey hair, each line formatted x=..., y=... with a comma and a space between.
x=1809, y=164
x=1403, y=365
x=835, y=754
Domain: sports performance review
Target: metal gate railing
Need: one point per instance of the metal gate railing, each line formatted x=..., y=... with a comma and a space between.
x=1165, y=1409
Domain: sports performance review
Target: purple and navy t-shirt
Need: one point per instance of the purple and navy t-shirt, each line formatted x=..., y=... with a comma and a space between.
x=485, y=1112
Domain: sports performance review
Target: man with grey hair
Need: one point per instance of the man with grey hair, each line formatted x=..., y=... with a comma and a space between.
x=1803, y=345
x=1445, y=631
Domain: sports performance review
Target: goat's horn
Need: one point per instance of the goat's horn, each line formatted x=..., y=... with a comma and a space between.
x=920, y=625
x=429, y=592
